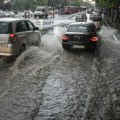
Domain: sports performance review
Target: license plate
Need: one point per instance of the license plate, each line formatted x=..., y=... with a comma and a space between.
x=79, y=46
x=77, y=37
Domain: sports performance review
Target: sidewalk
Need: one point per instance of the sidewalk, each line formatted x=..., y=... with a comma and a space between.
x=114, y=31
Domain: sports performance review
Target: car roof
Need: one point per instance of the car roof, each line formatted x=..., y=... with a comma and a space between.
x=10, y=19
x=95, y=13
x=81, y=23
x=81, y=13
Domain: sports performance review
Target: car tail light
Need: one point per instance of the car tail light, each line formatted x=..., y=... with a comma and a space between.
x=94, y=39
x=65, y=37
x=12, y=38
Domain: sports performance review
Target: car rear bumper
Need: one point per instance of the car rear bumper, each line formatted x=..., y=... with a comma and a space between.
x=86, y=45
x=38, y=14
x=96, y=19
x=8, y=50
x=81, y=19
x=7, y=54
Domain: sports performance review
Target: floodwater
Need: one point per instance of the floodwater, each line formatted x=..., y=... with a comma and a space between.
x=49, y=83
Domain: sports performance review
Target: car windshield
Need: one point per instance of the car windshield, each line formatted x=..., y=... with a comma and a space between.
x=79, y=15
x=77, y=28
x=5, y=27
x=40, y=9
x=96, y=15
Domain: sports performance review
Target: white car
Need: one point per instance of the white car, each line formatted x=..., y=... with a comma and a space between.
x=16, y=35
x=10, y=14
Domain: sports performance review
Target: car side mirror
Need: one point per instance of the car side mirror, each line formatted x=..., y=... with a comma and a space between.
x=36, y=28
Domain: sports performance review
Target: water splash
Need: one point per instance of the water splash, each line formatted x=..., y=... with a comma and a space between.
x=52, y=40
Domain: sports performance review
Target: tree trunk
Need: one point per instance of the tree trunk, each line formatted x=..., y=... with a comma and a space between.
x=117, y=15
x=112, y=14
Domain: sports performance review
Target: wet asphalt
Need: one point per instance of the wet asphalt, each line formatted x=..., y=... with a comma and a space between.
x=49, y=83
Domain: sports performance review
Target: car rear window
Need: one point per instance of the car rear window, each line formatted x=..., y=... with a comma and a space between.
x=5, y=27
x=95, y=15
x=77, y=28
x=80, y=15
x=84, y=15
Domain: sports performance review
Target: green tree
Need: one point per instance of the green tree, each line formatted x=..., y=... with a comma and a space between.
x=28, y=4
x=1, y=3
x=113, y=7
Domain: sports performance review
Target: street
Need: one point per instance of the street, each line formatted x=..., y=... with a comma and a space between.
x=49, y=83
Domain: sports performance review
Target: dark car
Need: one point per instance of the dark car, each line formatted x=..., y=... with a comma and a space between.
x=81, y=17
x=80, y=35
x=91, y=15
x=99, y=11
x=89, y=10
x=96, y=17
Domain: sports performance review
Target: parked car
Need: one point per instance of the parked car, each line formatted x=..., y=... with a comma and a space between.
x=41, y=12
x=99, y=11
x=7, y=14
x=16, y=35
x=96, y=17
x=3, y=14
x=10, y=14
x=81, y=17
x=91, y=15
x=80, y=35
x=89, y=10
x=27, y=14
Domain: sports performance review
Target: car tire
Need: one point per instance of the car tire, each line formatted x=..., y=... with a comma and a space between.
x=46, y=16
x=22, y=49
x=77, y=20
x=93, y=48
x=38, y=43
x=66, y=47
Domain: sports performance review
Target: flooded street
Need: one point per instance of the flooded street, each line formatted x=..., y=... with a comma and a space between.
x=67, y=88
x=49, y=83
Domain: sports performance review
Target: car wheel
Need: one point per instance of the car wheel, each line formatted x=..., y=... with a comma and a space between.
x=77, y=20
x=93, y=48
x=40, y=17
x=38, y=42
x=66, y=47
x=22, y=49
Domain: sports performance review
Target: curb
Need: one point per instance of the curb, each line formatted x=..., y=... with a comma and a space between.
x=115, y=38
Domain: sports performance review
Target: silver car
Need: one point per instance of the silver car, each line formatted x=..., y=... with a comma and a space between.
x=16, y=35
x=81, y=17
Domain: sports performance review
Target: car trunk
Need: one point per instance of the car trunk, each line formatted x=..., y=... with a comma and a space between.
x=79, y=37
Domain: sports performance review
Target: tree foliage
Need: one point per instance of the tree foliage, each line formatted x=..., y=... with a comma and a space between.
x=112, y=6
x=1, y=3
x=108, y=3
x=26, y=4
